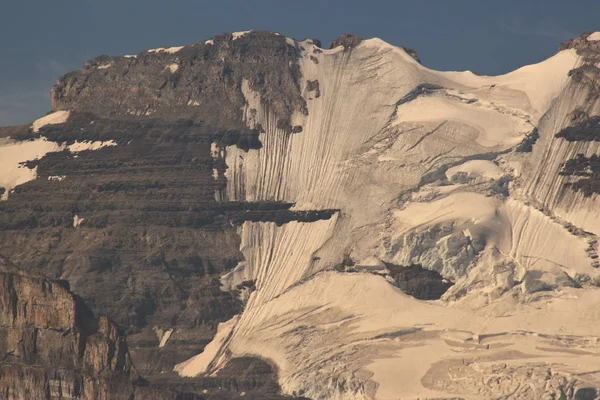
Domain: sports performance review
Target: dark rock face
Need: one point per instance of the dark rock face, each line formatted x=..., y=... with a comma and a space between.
x=52, y=347
x=346, y=40
x=586, y=394
x=418, y=282
x=412, y=53
x=200, y=82
x=255, y=378
x=586, y=131
x=526, y=146
x=588, y=74
x=313, y=86
x=154, y=240
x=584, y=128
x=584, y=47
x=587, y=169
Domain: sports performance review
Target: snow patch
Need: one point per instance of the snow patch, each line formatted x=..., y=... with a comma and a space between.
x=77, y=221
x=104, y=66
x=165, y=337
x=215, y=150
x=139, y=113
x=57, y=117
x=171, y=50
x=594, y=37
x=200, y=363
x=13, y=153
x=58, y=178
x=172, y=67
x=477, y=168
x=237, y=35
x=473, y=207
x=130, y=56
x=89, y=145
x=193, y=103
x=210, y=41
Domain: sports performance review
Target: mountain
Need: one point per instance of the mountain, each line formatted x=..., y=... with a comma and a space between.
x=265, y=216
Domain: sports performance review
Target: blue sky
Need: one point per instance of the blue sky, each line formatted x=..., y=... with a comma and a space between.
x=41, y=39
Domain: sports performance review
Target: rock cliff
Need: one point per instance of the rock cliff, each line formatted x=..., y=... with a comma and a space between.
x=53, y=348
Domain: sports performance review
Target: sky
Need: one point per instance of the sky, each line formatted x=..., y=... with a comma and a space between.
x=41, y=40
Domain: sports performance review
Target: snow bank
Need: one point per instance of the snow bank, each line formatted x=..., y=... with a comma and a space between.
x=165, y=338
x=57, y=117
x=77, y=220
x=89, y=145
x=594, y=37
x=172, y=67
x=171, y=50
x=237, y=35
x=359, y=322
x=493, y=127
x=12, y=153
x=477, y=168
x=200, y=364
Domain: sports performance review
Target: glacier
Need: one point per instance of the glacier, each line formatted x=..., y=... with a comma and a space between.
x=424, y=167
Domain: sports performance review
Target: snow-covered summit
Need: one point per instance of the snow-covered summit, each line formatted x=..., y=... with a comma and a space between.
x=425, y=167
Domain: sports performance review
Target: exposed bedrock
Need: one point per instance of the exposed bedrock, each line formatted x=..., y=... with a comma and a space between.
x=418, y=282
x=347, y=40
x=200, y=82
x=52, y=347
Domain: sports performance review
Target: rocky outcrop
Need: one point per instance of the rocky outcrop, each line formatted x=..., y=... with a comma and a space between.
x=346, y=40
x=583, y=170
x=589, y=49
x=200, y=82
x=422, y=284
x=53, y=348
x=588, y=73
x=587, y=172
x=412, y=53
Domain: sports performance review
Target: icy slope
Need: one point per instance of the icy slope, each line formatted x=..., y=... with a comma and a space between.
x=423, y=168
